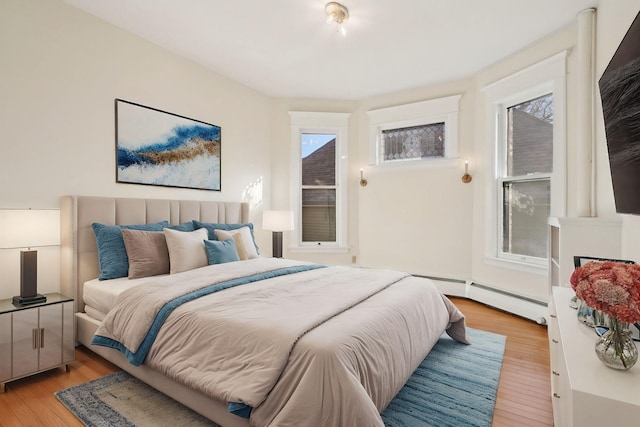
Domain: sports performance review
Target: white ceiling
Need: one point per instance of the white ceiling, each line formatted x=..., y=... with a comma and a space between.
x=285, y=48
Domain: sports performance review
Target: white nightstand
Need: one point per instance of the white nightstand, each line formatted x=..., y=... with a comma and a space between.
x=35, y=338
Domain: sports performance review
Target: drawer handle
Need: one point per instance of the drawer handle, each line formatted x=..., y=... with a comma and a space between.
x=556, y=395
x=556, y=373
x=553, y=315
x=555, y=341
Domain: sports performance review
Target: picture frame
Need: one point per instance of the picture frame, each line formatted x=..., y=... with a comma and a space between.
x=155, y=147
x=579, y=260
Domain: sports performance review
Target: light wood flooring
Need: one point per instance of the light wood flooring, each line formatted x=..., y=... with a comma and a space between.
x=523, y=392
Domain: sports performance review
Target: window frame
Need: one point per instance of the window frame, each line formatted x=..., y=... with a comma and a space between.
x=439, y=110
x=547, y=76
x=325, y=123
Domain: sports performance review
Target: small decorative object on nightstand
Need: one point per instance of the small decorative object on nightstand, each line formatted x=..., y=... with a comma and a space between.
x=35, y=338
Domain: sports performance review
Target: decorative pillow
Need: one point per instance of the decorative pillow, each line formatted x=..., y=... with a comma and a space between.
x=147, y=252
x=112, y=255
x=186, y=249
x=220, y=252
x=185, y=226
x=244, y=233
x=239, y=241
x=212, y=226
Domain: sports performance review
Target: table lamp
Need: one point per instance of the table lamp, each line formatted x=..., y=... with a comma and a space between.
x=277, y=222
x=26, y=229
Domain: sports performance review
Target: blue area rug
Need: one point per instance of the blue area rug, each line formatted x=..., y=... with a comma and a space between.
x=455, y=386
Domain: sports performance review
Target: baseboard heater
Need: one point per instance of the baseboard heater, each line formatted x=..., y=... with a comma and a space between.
x=450, y=287
x=520, y=305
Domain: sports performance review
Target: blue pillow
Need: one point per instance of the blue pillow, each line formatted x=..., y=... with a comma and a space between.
x=210, y=226
x=220, y=252
x=112, y=255
x=185, y=226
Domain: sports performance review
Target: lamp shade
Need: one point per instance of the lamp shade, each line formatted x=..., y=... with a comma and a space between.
x=277, y=220
x=26, y=228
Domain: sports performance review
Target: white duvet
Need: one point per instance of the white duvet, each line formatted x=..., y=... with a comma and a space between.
x=328, y=346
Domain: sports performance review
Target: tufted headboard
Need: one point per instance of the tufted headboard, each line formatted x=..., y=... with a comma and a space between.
x=78, y=250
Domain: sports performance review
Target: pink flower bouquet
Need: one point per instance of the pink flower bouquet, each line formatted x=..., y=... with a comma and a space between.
x=611, y=287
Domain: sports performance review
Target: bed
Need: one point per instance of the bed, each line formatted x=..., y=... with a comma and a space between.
x=334, y=349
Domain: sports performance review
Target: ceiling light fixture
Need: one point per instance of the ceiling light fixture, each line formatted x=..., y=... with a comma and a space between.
x=337, y=13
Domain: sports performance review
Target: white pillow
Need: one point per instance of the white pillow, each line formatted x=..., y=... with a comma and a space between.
x=186, y=249
x=245, y=233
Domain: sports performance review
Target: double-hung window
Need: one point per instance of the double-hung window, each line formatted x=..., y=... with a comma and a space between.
x=524, y=181
x=319, y=180
x=526, y=130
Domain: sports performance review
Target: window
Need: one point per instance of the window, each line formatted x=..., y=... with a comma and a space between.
x=413, y=143
x=527, y=134
x=318, y=187
x=525, y=184
x=319, y=179
x=409, y=134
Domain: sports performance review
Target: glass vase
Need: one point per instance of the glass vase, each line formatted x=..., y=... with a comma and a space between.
x=615, y=348
x=585, y=313
x=590, y=316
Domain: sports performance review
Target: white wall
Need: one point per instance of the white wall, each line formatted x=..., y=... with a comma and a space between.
x=60, y=72
x=419, y=220
x=614, y=18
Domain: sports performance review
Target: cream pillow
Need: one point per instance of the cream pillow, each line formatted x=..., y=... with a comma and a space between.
x=246, y=249
x=186, y=249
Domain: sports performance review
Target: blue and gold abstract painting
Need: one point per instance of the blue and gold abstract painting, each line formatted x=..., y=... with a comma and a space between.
x=154, y=147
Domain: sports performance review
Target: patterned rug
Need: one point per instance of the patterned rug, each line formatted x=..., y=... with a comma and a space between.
x=455, y=386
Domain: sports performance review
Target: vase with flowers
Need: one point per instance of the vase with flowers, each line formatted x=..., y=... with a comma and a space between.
x=614, y=289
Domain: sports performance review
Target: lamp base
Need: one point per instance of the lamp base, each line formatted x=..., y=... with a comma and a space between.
x=38, y=298
x=277, y=244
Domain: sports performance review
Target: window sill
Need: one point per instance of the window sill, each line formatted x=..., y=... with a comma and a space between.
x=417, y=164
x=539, y=270
x=320, y=249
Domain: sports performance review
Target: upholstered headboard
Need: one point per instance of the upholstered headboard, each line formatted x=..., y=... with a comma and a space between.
x=79, y=253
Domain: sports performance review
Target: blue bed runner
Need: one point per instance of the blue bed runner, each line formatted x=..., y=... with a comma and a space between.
x=136, y=358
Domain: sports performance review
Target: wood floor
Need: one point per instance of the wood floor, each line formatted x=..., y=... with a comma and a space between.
x=523, y=392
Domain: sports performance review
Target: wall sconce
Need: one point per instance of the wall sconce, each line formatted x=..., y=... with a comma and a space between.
x=363, y=182
x=26, y=229
x=277, y=222
x=466, y=178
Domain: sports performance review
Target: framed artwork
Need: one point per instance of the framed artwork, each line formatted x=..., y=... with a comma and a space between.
x=154, y=147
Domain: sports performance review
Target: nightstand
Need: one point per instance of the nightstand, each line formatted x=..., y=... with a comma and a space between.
x=35, y=338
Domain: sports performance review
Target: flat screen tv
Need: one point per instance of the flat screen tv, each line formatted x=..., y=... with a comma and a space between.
x=620, y=93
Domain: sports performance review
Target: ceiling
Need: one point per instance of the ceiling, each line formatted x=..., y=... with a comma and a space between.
x=285, y=48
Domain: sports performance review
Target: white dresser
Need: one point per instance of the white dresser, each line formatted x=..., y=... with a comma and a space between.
x=584, y=392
